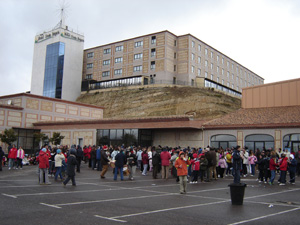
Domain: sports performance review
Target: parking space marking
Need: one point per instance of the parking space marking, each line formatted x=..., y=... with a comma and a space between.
x=168, y=209
x=273, y=193
x=107, y=218
x=266, y=216
x=12, y=196
x=53, y=206
x=114, y=199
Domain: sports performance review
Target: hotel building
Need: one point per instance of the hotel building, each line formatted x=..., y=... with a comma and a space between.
x=164, y=58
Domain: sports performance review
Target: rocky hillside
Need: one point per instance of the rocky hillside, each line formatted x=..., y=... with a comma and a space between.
x=202, y=103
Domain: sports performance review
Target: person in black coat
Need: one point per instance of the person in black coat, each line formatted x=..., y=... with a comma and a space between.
x=120, y=161
x=156, y=161
x=104, y=161
x=79, y=157
x=1, y=157
x=72, y=162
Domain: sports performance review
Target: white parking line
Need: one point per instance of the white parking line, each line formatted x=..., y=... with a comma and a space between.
x=262, y=217
x=12, y=196
x=53, y=206
x=107, y=218
x=273, y=193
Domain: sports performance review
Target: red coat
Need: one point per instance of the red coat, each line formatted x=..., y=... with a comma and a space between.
x=165, y=158
x=283, y=164
x=43, y=160
x=145, y=158
x=181, y=166
x=12, y=153
x=272, y=164
x=195, y=164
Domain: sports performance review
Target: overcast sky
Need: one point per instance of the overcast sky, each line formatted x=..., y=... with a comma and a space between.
x=262, y=35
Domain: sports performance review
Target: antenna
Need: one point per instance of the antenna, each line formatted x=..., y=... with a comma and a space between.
x=62, y=11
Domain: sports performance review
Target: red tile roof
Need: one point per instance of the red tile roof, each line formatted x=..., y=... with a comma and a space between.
x=258, y=118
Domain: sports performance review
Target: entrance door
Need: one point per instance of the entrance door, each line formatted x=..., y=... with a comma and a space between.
x=80, y=142
x=295, y=145
x=259, y=145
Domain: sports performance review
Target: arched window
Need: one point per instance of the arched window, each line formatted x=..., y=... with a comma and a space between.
x=223, y=140
x=292, y=142
x=259, y=141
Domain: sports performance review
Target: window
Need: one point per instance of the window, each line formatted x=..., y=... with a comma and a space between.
x=217, y=58
x=206, y=51
x=199, y=72
x=90, y=55
x=138, y=44
x=259, y=141
x=175, y=43
x=119, y=60
x=106, y=62
x=206, y=62
x=118, y=72
x=237, y=79
x=105, y=74
x=153, y=39
x=174, y=55
x=211, y=66
x=217, y=69
x=193, y=56
x=137, y=68
x=107, y=51
x=237, y=88
x=222, y=71
x=89, y=65
x=227, y=64
x=153, y=52
x=119, y=48
x=89, y=76
x=228, y=84
x=199, y=59
x=193, y=69
x=232, y=76
x=218, y=79
x=152, y=66
x=222, y=81
x=232, y=66
x=199, y=48
x=174, y=68
x=193, y=44
x=211, y=77
x=232, y=86
x=222, y=60
x=223, y=140
x=211, y=55
x=205, y=74
x=138, y=56
x=227, y=74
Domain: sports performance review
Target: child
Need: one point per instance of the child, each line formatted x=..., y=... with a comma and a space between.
x=182, y=171
x=222, y=165
x=72, y=162
x=196, y=167
x=203, y=166
x=252, y=160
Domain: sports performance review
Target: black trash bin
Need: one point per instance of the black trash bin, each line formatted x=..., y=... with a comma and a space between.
x=237, y=192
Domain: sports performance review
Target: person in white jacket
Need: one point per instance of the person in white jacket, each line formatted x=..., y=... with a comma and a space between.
x=246, y=167
x=59, y=157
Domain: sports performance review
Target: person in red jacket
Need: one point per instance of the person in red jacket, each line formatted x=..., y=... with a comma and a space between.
x=272, y=166
x=43, y=160
x=12, y=157
x=196, y=168
x=165, y=157
x=283, y=168
x=145, y=160
x=181, y=165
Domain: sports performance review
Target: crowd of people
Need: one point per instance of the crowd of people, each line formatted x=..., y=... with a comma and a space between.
x=184, y=164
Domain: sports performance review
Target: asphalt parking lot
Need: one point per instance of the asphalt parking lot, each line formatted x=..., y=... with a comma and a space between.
x=142, y=201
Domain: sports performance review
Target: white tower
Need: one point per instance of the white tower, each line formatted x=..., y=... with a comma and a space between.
x=57, y=62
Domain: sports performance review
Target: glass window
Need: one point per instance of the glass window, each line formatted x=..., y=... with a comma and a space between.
x=106, y=62
x=90, y=55
x=223, y=140
x=118, y=72
x=193, y=56
x=259, y=141
x=105, y=74
x=199, y=59
x=138, y=56
x=206, y=51
x=153, y=39
x=137, y=68
x=119, y=48
x=152, y=66
x=89, y=76
x=118, y=60
x=199, y=48
x=199, y=72
x=107, y=51
x=138, y=44
x=193, y=44
x=153, y=52
x=193, y=69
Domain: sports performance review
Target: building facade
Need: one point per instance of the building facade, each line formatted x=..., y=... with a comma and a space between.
x=57, y=63
x=164, y=58
x=20, y=111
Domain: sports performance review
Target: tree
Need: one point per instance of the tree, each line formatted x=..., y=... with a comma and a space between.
x=129, y=139
x=8, y=136
x=38, y=137
x=56, y=138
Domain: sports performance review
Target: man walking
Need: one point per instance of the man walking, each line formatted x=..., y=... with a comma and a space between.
x=104, y=161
